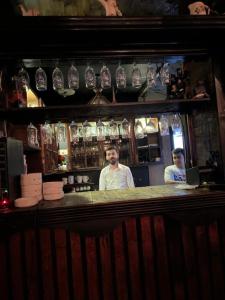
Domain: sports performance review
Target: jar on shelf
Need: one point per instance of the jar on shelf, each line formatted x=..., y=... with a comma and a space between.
x=176, y=124
x=100, y=131
x=61, y=132
x=32, y=138
x=125, y=129
x=74, y=132
x=139, y=130
x=164, y=125
x=87, y=131
x=113, y=130
x=46, y=133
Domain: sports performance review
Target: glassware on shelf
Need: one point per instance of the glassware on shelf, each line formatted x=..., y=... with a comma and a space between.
x=74, y=132
x=121, y=77
x=164, y=125
x=152, y=125
x=151, y=76
x=165, y=74
x=136, y=77
x=23, y=79
x=61, y=132
x=176, y=124
x=41, y=79
x=32, y=135
x=113, y=130
x=100, y=131
x=87, y=131
x=47, y=134
x=73, y=78
x=57, y=79
x=139, y=130
x=125, y=129
x=105, y=77
x=90, y=78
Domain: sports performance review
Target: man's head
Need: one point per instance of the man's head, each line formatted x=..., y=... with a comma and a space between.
x=179, y=157
x=112, y=155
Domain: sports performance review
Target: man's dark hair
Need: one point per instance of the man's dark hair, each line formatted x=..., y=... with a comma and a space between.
x=112, y=147
x=178, y=151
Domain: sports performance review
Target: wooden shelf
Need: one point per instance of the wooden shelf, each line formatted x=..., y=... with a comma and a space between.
x=29, y=149
x=196, y=33
x=79, y=184
x=105, y=112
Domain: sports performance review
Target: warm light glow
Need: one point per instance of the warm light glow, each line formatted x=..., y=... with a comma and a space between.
x=32, y=99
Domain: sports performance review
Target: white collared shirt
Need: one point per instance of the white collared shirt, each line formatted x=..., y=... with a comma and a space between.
x=119, y=178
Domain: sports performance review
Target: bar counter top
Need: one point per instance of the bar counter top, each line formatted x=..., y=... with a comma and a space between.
x=87, y=206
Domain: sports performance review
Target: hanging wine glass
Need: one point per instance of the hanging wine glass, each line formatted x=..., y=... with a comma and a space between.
x=73, y=78
x=32, y=136
x=176, y=124
x=105, y=77
x=125, y=129
x=90, y=78
x=87, y=131
x=23, y=79
x=136, y=77
x=57, y=79
x=41, y=79
x=165, y=74
x=151, y=76
x=139, y=130
x=113, y=130
x=164, y=125
x=121, y=80
x=61, y=132
x=74, y=132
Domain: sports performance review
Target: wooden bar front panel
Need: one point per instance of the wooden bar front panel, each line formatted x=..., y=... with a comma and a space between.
x=155, y=258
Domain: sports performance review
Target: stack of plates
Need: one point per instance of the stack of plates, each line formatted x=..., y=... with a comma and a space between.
x=53, y=190
x=31, y=186
x=25, y=202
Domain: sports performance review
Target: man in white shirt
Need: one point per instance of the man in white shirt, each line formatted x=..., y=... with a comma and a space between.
x=176, y=173
x=115, y=175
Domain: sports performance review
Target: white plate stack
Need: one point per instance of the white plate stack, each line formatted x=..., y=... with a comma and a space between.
x=31, y=186
x=53, y=190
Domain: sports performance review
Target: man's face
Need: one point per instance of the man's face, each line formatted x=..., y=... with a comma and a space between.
x=112, y=156
x=178, y=160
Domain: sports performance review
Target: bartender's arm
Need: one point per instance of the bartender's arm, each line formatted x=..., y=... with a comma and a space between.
x=102, y=183
x=130, y=180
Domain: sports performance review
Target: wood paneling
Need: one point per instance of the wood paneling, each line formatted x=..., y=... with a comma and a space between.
x=46, y=265
x=147, y=257
x=4, y=288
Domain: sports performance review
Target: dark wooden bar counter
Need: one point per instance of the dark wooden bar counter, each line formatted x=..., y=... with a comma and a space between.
x=146, y=243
